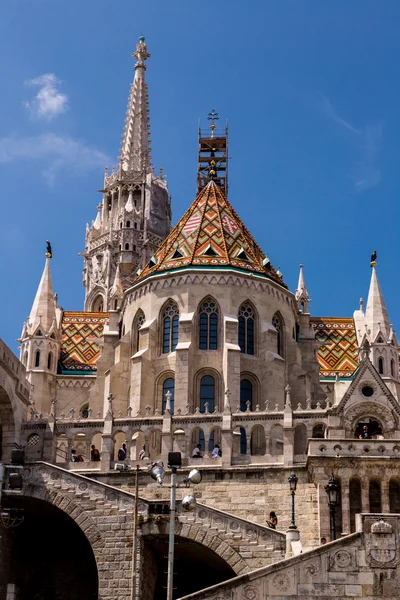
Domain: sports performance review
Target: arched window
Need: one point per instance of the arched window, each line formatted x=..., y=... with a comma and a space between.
x=300, y=439
x=355, y=501
x=170, y=328
x=380, y=366
x=246, y=329
x=115, y=303
x=136, y=326
x=394, y=496
x=49, y=360
x=257, y=441
x=392, y=368
x=85, y=411
x=318, y=431
x=208, y=335
x=239, y=441
x=37, y=358
x=98, y=304
x=25, y=359
x=375, y=502
x=207, y=393
x=246, y=394
x=126, y=246
x=128, y=223
x=278, y=324
x=168, y=387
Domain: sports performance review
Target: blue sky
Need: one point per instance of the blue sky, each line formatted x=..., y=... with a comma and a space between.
x=311, y=91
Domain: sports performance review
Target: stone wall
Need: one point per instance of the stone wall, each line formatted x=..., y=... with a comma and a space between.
x=362, y=565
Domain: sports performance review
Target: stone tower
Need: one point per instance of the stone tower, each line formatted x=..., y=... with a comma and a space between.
x=135, y=213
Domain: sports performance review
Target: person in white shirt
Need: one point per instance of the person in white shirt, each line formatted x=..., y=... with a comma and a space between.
x=142, y=453
x=196, y=452
x=216, y=453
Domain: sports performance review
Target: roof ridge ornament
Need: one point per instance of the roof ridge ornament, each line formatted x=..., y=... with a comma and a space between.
x=141, y=53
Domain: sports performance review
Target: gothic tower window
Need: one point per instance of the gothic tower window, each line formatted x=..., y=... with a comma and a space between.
x=98, y=304
x=170, y=321
x=136, y=326
x=392, y=368
x=49, y=360
x=37, y=358
x=208, y=325
x=126, y=246
x=278, y=324
x=168, y=387
x=246, y=329
x=375, y=501
x=207, y=393
x=246, y=394
x=128, y=223
x=380, y=365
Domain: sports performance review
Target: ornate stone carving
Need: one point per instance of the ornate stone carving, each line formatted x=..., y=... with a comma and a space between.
x=382, y=546
x=281, y=582
x=342, y=560
x=250, y=592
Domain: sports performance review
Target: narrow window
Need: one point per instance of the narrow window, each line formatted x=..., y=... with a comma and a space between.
x=208, y=325
x=128, y=223
x=392, y=368
x=246, y=329
x=246, y=394
x=135, y=225
x=49, y=361
x=37, y=358
x=375, y=502
x=168, y=388
x=170, y=328
x=136, y=326
x=207, y=393
x=277, y=323
x=115, y=303
x=380, y=366
x=126, y=246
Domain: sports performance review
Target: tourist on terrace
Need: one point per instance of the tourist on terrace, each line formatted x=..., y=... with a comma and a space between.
x=216, y=453
x=196, y=452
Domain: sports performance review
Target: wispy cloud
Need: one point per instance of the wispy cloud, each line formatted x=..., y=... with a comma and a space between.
x=55, y=152
x=366, y=172
x=49, y=101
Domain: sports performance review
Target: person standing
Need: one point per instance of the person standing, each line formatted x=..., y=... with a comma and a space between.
x=273, y=520
x=122, y=452
x=94, y=453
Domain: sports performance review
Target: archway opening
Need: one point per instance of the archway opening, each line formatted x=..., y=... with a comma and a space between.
x=38, y=569
x=195, y=567
x=7, y=426
x=368, y=429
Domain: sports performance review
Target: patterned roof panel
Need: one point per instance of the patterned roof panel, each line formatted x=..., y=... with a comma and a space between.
x=80, y=335
x=210, y=234
x=338, y=354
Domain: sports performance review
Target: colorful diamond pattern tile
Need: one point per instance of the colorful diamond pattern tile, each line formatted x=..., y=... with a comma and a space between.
x=339, y=353
x=80, y=333
x=210, y=234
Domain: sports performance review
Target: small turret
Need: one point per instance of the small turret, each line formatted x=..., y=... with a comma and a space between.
x=40, y=340
x=302, y=296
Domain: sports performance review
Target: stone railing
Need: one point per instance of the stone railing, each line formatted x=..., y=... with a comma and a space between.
x=349, y=447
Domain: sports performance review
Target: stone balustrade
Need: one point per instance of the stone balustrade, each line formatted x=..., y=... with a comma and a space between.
x=356, y=447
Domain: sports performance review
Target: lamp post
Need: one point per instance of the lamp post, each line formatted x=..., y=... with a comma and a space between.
x=293, y=485
x=189, y=503
x=332, y=490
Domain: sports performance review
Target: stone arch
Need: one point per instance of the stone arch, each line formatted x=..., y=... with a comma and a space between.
x=276, y=440
x=137, y=323
x=168, y=329
x=196, y=532
x=381, y=413
x=158, y=391
x=7, y=422
x=257, y=441
x=78, y=514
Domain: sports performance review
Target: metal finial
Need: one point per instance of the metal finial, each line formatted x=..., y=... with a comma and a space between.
x=213, y=116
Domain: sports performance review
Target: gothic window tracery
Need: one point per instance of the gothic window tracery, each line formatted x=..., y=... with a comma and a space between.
x=278, y=324
x=246, y=328
x=97, y=305
x=208, y=325
x=170, y=321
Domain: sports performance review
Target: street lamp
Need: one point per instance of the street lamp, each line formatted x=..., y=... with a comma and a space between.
x=292, y=479
x=332, y=490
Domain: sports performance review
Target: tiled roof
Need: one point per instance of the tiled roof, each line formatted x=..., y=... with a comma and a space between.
x=210, y=234
x=339, y=353
x=80, y=333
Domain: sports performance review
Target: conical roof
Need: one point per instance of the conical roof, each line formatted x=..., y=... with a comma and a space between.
x=43, y=311
x=210, y=234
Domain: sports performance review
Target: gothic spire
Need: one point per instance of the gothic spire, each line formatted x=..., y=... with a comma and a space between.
x=43, y=313
x=302, y=296
x=376, y=315
x=135, y=150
